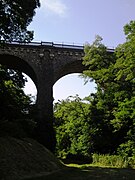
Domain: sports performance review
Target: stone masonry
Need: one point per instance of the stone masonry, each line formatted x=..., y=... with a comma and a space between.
x=44, y=63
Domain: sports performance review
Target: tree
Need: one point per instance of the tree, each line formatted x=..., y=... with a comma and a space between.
x=114, y=75
x=15, y=16
x=72, y=127
x=125, y=75
x=14, y=103
x=16, y=117
x=107, y=123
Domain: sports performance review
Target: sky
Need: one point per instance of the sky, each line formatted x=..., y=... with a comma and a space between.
x=79, y=21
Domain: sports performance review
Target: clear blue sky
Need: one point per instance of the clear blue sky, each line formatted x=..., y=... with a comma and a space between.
x=78, y=21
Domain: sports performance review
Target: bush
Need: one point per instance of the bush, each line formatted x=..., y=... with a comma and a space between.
x=113, y=161
x=126, y=149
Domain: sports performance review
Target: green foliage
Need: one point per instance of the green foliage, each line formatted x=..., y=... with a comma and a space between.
x=115, y=78
x=129, y=30
x=80, y=129
x=14, y=102
x=72, y=127
x=15, y=108
x=16, y=117
x=113, y=161
x=127, y=149
x=98, y=62
x=15, y=17
x=105, y=124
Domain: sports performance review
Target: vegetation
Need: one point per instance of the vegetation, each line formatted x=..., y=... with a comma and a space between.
x=12, y=96
x=72, y=123
x=105, y=124
x=15, y=17
x=99, y=128
x=16, y=109
x=15, y=105
x=115, y=161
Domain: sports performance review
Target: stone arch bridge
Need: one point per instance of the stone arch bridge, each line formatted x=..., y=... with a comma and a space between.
x=44, y=63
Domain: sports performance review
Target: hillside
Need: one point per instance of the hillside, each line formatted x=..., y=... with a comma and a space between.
x=25, y=158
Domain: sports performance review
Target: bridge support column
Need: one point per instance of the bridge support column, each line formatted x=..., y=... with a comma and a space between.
x=45, y=132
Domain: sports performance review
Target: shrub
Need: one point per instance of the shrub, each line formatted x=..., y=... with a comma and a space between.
x=113, y=161
x=126, y=149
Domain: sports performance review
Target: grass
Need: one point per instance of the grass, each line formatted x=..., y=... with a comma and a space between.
x=25, y=159
x=104, y=167
x=113, y=161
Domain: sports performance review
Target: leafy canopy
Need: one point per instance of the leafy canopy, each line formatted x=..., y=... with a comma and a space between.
x=14, y=103
x=107, y=123
x=114, y=74
x=15, y=16
x=72, y=127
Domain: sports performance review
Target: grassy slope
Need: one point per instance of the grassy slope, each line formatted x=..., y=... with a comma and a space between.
x=20, y=158
x=28, y=160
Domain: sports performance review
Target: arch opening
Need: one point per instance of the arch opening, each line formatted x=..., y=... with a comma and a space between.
x=15, y=63
x=30, y=88
x=71, y=85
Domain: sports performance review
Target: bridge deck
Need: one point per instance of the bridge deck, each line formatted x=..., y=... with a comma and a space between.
x=52, y=45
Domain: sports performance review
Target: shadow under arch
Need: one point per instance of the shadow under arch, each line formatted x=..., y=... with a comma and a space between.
x=16, y=63
x=69, y=68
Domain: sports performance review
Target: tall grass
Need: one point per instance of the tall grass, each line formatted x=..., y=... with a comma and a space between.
x=113, y=161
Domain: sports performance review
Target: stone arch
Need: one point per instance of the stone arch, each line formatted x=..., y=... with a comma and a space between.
x=72, y=67
x=16, y=63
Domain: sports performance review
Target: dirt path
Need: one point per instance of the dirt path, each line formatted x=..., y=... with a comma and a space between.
x=92, y=173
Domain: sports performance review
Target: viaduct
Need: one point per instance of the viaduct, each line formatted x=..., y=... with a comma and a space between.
x=45, y=63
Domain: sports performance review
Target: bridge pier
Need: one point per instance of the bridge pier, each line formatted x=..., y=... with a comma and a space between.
x=45, y=132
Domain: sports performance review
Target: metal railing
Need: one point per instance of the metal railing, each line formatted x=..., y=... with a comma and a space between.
x=53, y=44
